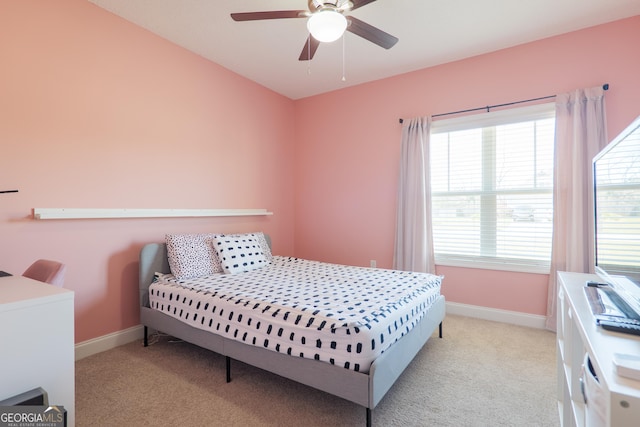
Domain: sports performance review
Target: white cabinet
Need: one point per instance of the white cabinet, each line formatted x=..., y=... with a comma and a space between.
x=580, y=338
x=37, y=341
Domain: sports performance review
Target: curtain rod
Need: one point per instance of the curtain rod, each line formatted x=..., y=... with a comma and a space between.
x=488, y=107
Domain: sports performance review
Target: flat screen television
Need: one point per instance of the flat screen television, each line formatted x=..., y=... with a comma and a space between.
x=616, y=178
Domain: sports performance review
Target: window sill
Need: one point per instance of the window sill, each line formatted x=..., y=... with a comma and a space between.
x=519, y=266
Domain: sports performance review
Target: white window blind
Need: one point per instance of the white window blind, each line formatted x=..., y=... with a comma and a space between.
x=492, y=189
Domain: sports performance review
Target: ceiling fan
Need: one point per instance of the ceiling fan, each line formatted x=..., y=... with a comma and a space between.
x=326, y=22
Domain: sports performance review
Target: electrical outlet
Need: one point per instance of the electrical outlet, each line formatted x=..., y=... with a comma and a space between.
x=372, y=263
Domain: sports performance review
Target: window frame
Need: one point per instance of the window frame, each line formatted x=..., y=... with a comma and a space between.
x=483, y=120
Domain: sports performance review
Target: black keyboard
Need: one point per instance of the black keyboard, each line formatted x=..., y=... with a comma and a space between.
x=616, y=319
x=618, y=326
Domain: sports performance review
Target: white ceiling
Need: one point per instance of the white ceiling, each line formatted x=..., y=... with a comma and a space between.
x=431, y=32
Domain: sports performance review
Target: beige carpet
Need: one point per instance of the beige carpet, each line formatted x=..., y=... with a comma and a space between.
x=480, y=374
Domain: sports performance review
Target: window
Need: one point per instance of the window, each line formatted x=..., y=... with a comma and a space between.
x=492, y=189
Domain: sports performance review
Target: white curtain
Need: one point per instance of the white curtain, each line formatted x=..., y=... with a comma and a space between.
x=414, y=243
x=580, y=135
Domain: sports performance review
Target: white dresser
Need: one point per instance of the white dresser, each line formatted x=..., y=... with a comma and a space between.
x=612, y=400
x=37, y=341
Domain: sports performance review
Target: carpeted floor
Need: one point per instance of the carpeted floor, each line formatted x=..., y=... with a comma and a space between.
x=481, y=373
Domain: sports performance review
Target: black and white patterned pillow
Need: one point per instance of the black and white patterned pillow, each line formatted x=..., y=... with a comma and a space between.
x=192, y=255
x=262, y=241
x=239, y=254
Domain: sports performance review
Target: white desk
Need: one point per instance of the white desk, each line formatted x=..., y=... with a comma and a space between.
x=37, y=341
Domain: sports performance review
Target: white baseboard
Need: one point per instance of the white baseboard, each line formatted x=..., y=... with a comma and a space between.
x=496, y=315
x=109, y=341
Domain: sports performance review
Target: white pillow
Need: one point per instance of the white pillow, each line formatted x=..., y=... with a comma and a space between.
x=240, y=253
x=262, y=241
x=192, y=255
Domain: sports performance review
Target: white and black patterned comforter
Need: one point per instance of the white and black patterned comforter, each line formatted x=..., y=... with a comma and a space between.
x=338, y=314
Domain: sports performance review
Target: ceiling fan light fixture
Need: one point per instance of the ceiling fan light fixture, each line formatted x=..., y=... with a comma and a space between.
x=327, y=25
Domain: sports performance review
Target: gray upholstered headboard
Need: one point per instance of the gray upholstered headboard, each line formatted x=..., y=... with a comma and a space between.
x=153, y=258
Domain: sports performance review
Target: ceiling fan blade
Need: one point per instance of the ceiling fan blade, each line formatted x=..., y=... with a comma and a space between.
x=360, y=3
x=309, y=49
x=371, y=33
x=276, y=14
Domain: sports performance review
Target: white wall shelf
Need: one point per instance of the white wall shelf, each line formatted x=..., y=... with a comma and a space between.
x=71, y=213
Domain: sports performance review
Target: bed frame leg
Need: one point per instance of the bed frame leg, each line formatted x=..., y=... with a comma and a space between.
x=440, y=330
x=228, y=368
x=368, y=417
x=146, y=337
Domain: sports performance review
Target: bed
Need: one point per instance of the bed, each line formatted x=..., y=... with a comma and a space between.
x=168, y=304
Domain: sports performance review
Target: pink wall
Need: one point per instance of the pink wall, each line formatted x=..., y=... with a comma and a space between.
x=347, y=163
x=98, y=113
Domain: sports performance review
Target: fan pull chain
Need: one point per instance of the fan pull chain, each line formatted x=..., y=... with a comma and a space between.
x=344, y=78
x=309, y=55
